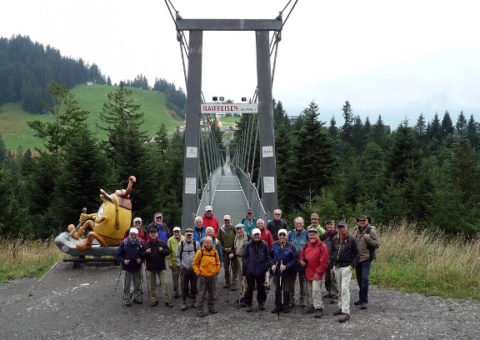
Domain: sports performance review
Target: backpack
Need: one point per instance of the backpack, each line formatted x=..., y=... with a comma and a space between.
x=182, y=243
x=371, y=249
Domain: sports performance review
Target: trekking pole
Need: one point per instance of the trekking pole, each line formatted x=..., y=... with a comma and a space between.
x=281, y=291
x=118, y=280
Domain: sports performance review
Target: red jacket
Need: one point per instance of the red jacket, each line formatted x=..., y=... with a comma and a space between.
x=315, y=255
x=266, y=236
x=211, y=221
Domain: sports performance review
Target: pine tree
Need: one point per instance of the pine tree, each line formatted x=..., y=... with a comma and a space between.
x=125, y=148
x=347, y=129
x=461, y=126
x=447, y=125
x=315, y=159
x=472, y=134
x=403, y=156
x=421, y=130
x=68, y=120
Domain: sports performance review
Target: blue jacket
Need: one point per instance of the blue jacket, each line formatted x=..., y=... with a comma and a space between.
x=256, y=258
x=129, y=250
x=298, y=239
x=162, y=229
x=198, y=236
x=285, y=255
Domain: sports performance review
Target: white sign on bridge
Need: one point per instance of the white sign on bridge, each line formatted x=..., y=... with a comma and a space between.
x=233, y=108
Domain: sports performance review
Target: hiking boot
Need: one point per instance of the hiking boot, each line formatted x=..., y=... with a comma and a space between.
x=277, y=309
x=285, y=309
x=291, y=304
x=310, y=310
x=261, y=306
x=201, y=314
x=357, y=303
x=176, y=296
x=302, y=303
x=138, y=301
x=128, y=303
x=153, y=303
x=318, y=313
x=364, y=305
x=344, y=317
x=328, y=296
x=249, y=309
x=226, y=285
x=233, y=289
x=334, y=296
x=183, y=307
x=212, y=310
x=169, y=304
x=338, y=312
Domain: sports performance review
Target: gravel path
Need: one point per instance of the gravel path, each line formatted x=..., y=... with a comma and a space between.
x=72, y=303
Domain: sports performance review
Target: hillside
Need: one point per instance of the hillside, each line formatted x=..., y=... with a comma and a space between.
x=15, y=132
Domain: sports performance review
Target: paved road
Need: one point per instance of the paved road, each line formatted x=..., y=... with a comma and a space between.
x=78, y=304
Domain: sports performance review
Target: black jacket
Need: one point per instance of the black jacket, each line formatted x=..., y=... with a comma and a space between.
x=130, y=251
x=256, y=258
x=274, y=226
x=155, y=261
x=327, y=238
x=345, y=254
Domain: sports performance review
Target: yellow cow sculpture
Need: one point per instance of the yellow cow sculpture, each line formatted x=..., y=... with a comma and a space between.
x=110, y=222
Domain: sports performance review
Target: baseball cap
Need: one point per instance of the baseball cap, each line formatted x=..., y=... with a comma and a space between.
x=134, y=231
x=177, y=229
x=227, y=217
x=208, y=208
x=256, y=231
x=282, y=231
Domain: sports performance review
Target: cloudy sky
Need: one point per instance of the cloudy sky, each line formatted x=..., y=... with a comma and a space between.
x=391, y=58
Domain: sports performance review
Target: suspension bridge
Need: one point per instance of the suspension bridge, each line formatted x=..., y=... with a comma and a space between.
x=229, y=176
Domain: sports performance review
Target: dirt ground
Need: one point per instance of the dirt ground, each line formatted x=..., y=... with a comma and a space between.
x=80, y=303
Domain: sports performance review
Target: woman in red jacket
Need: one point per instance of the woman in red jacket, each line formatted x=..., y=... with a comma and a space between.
x=314, y=259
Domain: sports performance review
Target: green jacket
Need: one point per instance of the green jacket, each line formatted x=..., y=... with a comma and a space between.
x=173, y=246
x=226, y=236
x=320, y=230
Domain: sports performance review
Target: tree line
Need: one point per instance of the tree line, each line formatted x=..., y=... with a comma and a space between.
x=428, y=174
x=44, y=190
x=27, y=68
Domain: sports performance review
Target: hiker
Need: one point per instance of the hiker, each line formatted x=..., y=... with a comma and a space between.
x=249, y=222
x=129, y=254
x=276, y=224
x=314, y=259
x=368, y=242
x=330, y=281
x=267, y=237
x=137, y=223
x=298, y=237
x=239, y=280
x=216, y=243
x=185, y=254
x=206, y=265
x=256, y=262
x=283, y=256
x=315, y=223
x=209, y=220
x=226, y=236
x=162, y=228
x=199, y=230
x=154, y=252
x=172, y=259
x=345, y=256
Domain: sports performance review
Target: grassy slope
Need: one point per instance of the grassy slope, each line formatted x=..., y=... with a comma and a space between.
x=15, y=132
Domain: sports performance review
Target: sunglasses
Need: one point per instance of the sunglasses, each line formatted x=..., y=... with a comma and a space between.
x=362, y=220
x=282, y=235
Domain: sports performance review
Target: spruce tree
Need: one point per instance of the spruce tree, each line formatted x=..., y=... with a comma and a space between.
x=461, y=126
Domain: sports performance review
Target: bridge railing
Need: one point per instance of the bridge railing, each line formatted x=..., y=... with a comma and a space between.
x=251, y=193
x=209, y=190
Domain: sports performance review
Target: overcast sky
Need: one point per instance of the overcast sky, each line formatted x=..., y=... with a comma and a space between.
x=391, y=58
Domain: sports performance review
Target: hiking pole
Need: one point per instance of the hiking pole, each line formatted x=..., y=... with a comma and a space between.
x=118, y=280
x=281, y=291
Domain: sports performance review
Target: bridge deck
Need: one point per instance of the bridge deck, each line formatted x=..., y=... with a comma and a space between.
x=229, y=198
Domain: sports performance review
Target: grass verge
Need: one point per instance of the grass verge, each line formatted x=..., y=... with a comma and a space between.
x=427, y=263
x=22, y=258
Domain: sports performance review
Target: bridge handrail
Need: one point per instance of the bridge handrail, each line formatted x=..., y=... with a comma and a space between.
x=209, y=190
x=251, y=193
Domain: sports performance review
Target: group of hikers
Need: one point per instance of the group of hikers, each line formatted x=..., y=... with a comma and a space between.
x=255, y=255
